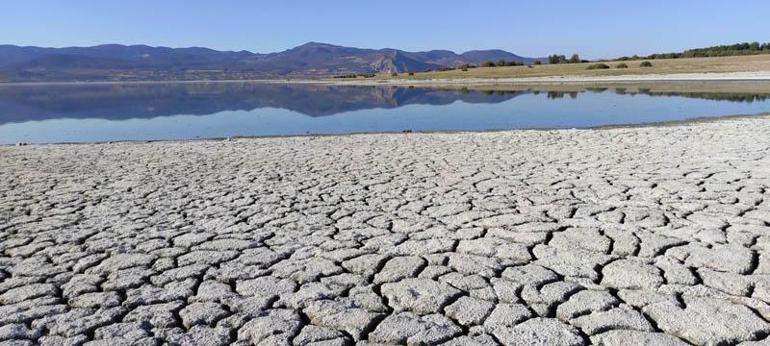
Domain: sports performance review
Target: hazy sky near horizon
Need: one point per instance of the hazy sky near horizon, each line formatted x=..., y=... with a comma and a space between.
x=593, y=28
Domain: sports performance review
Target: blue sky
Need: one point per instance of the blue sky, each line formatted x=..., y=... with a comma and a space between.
x=533, y=28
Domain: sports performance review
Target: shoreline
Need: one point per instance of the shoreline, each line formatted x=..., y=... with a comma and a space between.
x=662, y=78
x=678, y=77
x=671, y=123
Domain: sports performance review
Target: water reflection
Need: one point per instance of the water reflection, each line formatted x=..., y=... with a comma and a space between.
x=126, y=101
x=107, y=112
x=152, y=100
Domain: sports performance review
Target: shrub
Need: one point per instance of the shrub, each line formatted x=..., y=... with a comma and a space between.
x=621, y=65
x=598, y=67
x=394, y=74
x=487, y=64
x=464, y=69
x=538, y=62
x=645, y=64
x=411, y=73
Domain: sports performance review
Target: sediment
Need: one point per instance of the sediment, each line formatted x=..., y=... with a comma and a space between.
x=648, y=235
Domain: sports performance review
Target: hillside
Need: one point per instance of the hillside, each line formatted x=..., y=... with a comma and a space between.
x=140, y=62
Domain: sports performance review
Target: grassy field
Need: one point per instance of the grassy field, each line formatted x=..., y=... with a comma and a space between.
x=662, y=66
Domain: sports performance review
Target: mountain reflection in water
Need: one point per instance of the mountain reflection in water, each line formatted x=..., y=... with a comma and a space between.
x=153, y=111
x=124, y=101
x=127, y=101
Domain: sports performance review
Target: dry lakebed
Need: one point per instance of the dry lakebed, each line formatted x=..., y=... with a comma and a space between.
x=653, y=235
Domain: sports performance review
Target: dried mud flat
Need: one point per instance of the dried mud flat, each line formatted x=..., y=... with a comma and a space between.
x=653, y=235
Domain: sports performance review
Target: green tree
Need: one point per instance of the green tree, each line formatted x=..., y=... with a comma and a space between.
x=557, y=59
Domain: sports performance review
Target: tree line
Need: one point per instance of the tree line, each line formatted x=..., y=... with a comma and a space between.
x=746, y=48
x=499, y=63
x=562, y=59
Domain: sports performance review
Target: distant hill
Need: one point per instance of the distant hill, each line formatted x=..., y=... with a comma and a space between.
x=140, y=62
x=480, y=56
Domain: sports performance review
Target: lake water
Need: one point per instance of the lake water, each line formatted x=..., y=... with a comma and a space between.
x=112, y=112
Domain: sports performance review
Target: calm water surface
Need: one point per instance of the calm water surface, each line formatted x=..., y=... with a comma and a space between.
x=87, y=113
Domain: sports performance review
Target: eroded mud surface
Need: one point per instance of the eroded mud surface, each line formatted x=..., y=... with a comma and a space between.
x=619, y=237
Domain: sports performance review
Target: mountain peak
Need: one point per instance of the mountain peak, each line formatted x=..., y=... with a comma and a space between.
x=313, y=44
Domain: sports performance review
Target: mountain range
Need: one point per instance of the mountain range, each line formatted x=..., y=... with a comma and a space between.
x=113, y=62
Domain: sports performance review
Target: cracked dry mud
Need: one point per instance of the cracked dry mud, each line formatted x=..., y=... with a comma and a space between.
x=655, y=235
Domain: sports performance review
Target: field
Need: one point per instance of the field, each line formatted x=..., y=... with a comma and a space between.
x=662, y=66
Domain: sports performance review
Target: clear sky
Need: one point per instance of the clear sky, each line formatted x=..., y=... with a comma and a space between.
x=593, y=28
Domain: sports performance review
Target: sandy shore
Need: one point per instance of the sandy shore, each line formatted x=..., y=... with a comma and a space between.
x=680, y=77
x=650, y=235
